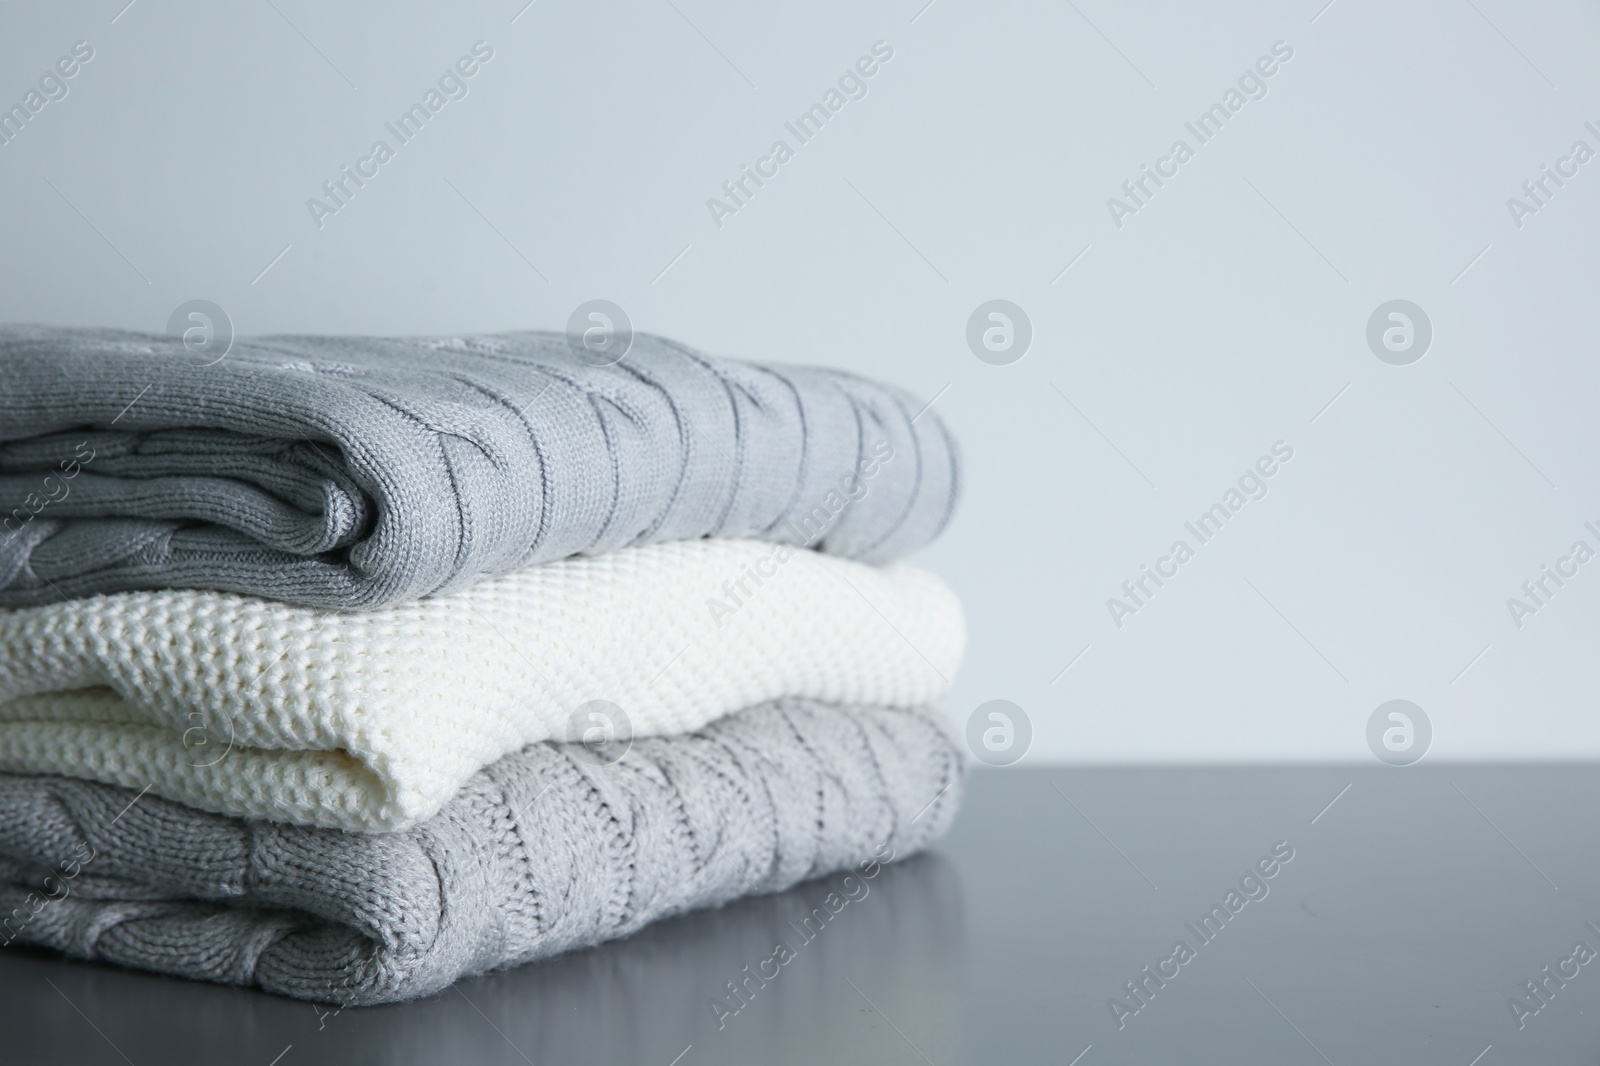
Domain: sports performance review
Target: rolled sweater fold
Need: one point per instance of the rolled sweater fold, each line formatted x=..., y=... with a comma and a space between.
x=372, y=720
x=357, y=472
x=540, y=853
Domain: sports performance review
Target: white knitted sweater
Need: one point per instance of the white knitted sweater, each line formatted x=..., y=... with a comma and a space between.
x=371, y=721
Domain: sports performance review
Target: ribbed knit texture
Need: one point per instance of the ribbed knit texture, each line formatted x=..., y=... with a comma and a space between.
x=540, y=853
x=371, y=721
x=355, y=472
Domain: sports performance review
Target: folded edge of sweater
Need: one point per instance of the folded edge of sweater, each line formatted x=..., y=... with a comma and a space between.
x=360, y=472
x=540, y=853
x=370, y=721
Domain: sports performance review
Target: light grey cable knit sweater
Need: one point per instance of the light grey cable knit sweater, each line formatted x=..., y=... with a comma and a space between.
x=540, y=853
x=353, y=472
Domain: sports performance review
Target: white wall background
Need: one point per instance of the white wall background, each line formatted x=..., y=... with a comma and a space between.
x=1221, y=318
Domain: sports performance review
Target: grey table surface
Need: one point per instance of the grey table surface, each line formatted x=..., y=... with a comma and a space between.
x=1412, y=915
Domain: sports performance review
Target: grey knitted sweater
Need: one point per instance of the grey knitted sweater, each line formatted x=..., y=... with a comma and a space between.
x=541, y=852
x=353, y=472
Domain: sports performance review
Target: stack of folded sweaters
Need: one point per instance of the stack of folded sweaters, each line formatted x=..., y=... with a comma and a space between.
x=347, y=667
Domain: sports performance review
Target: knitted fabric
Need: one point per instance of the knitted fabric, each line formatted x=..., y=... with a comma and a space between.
x=353, y=472
x=540, y=853
x=371, y=721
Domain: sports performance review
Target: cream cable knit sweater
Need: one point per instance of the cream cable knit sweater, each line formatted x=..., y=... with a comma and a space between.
x=370, y=722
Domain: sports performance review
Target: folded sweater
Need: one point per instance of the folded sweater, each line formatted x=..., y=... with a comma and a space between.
x=540, y=853
x=372, y=720
x=356, y=472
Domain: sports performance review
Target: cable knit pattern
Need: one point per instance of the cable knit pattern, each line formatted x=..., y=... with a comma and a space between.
x=356, y=472
x=371, y=721
x=541, y=853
